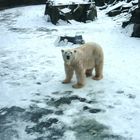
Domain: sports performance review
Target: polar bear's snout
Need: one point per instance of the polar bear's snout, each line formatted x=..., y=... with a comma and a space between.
x=68, y=57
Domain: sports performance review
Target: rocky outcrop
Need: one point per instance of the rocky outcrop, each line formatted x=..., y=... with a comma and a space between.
x=129, y=7
x=79, y=12
x=135, y=19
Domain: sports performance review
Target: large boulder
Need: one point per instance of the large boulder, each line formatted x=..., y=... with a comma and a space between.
x=136, y=20
x=136, y=30
x=66, y=12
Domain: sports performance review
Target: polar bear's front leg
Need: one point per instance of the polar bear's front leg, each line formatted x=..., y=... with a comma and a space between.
x=69, y=74
x=80, y=75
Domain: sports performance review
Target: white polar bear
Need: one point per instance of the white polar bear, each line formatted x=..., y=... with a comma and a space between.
x=82, y=61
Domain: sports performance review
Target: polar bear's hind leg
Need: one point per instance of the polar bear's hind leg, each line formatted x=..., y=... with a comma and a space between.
x=89, y=72
x=98, y=72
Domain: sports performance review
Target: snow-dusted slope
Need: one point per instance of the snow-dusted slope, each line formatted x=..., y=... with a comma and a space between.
x=34, y=105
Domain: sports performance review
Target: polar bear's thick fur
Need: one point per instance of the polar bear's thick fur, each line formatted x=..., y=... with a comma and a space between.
x=82, y=61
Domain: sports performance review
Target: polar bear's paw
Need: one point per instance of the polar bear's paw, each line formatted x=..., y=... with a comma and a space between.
x=97, y=77
x=66, y=81
x=78, y=85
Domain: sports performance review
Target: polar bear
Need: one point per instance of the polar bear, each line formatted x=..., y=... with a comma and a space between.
x=82, y=61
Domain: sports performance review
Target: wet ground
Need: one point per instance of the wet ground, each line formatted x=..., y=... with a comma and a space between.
x=39, y=123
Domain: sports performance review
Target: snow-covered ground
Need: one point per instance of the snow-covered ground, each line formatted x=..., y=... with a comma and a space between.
x=35, y=105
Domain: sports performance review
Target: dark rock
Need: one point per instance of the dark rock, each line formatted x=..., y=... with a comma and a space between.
x=136, y=16
x=99, y=2
x=136, y=30
x=119, y=8
x=114, y=13
x=92, y=13
x=136, y=20
x=53, y=12
x=125, y=23
x=78, y=12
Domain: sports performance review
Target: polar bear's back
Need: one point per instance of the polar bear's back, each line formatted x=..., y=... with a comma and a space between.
x=89, y=54
x=91, y=49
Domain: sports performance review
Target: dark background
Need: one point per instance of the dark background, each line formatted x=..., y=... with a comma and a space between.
x=14, y=3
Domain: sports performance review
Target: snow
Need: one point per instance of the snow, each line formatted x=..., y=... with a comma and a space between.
x=31, y=70
x=119, y=4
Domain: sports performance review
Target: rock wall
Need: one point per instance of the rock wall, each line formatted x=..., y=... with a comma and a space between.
x=128, y=7
x=136, y=20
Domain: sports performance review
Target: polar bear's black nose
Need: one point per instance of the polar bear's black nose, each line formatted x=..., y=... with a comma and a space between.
x=68, y=57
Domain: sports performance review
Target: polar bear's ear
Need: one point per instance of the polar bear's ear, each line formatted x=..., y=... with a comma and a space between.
x=75, y=51
x=62, y=51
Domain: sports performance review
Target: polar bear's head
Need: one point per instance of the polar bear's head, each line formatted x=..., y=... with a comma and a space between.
x=68, y=56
